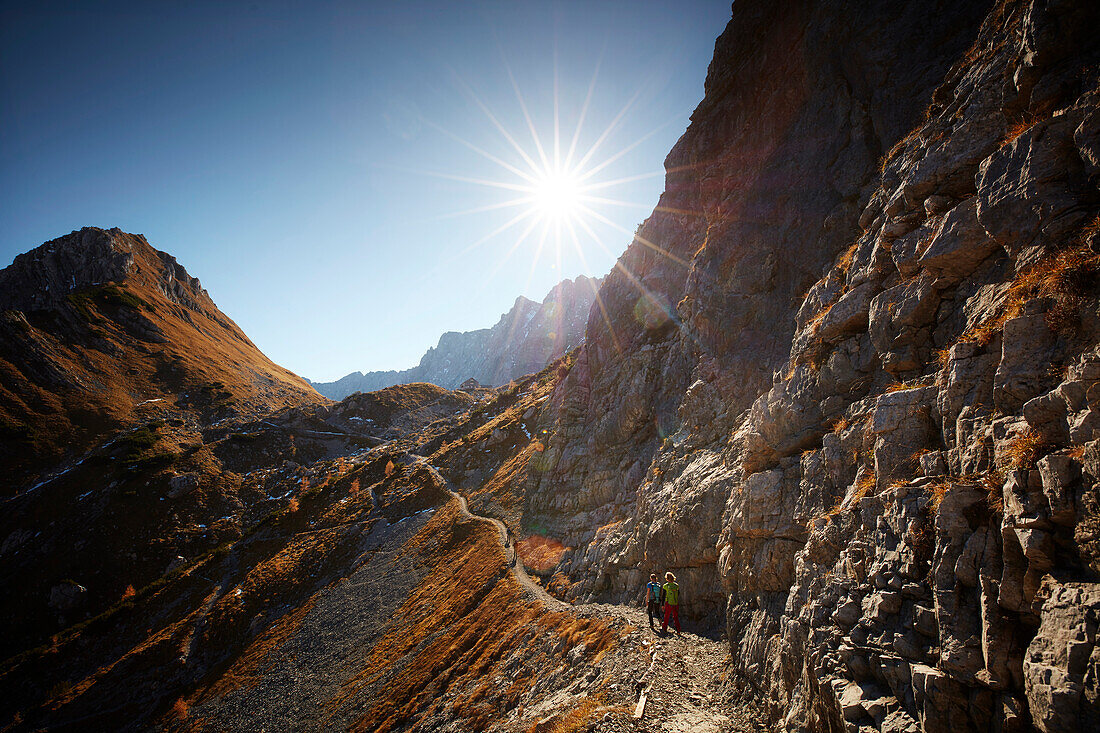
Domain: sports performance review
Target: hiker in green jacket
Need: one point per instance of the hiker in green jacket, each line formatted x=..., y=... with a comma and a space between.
x=671, y=592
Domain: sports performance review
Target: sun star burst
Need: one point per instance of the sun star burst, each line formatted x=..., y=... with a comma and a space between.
x=558, y=186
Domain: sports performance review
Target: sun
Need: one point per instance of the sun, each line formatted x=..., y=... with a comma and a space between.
x=555, y=180
x=558, y=195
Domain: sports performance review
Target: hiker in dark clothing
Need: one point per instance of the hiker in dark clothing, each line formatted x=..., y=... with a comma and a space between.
x=653, y=599
x=671, y=596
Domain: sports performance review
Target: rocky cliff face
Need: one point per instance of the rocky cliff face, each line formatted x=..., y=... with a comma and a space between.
x=525, y=339
x=843, y=381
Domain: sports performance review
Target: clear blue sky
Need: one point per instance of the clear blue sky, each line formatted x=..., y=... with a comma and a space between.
x=310, y=162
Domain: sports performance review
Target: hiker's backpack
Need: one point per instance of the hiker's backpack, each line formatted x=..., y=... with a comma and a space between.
x=671, y=592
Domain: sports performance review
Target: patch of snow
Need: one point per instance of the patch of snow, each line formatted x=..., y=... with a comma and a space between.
x=146, y=402
x=50, y=479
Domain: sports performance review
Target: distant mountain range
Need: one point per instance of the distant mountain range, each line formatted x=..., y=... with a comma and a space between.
x=524, y=340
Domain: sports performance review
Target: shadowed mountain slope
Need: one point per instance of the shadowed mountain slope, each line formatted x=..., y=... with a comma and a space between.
x=98, y=326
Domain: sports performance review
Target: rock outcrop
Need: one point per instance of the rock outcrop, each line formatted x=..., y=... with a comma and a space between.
x=525, y=339
x=843, y=383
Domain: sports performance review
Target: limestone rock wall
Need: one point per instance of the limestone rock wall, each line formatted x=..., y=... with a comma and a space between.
x=846, y=380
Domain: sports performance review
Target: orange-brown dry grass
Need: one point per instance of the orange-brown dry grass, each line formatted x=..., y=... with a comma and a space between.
x=505, y=487
x=559, y=585
x=578, y=718
x=864, y=484
x=162, y=646
x=894, y=150
x=1063, y=274
x=993, y=481
x=899, y=387
x=937, y=490
x=1024, y=450
x=814, y=324
x=212, y=361
x=180, y=710
x=539, y=553
x=454, y=631
x=1022, y=124
x=283, y=577
x=943, y=356
x=844, y=262
x=404, y=397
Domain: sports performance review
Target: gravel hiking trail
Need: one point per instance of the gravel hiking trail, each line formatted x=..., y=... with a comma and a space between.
x=683, y=677
x=515, y=566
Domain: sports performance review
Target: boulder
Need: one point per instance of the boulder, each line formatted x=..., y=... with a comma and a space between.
x=182, y=484
x=1059, y=474
x=849, y=314
x=959, y=245
x=901, y=424
x=1047, y=415
x=1024, y=370
x=1026, y=190
x=67, y=595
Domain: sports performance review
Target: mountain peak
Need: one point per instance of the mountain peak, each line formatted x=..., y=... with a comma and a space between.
x=97, y=323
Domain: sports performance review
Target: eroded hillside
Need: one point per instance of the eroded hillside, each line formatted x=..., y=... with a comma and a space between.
x=350, y=592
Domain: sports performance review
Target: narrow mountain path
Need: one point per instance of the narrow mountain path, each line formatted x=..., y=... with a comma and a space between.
x=515, y=565
x=684, y=685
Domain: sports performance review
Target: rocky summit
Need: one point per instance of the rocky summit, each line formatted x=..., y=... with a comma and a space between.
x=97, y=329
x=525, y=339
x=844, y=383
